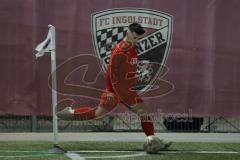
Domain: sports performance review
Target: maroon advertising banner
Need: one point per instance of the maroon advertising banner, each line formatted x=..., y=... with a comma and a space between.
x=192, y=48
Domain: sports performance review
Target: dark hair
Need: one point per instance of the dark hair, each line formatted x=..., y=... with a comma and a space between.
x=137, y=28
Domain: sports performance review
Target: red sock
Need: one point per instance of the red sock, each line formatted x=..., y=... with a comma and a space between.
x=147, y=125
x=84, y=113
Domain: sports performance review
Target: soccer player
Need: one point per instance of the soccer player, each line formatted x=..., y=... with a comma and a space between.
x=120, y=81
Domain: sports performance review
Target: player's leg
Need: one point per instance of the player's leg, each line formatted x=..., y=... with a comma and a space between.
x=83, y=113
x=89, y=113
x=148, y=127
x=145, y=117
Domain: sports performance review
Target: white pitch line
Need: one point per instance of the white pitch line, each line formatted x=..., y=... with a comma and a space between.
x=134, y=154
x=120, y=156
x=74, y=156
x=218, y=152
x=201, y=152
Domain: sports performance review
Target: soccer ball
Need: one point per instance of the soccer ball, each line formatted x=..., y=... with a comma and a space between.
x=153, y=144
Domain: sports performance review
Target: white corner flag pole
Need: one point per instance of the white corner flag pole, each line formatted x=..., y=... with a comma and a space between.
x=49, y=45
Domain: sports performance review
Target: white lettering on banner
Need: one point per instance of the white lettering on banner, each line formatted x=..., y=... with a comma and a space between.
x=115, y=19
x=138, y=19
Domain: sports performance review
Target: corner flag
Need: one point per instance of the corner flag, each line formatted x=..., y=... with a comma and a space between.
x=48, y=44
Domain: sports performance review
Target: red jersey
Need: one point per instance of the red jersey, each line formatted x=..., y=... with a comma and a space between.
x=122, y=66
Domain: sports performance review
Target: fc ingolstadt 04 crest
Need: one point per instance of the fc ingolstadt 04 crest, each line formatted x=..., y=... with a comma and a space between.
x=110, y=26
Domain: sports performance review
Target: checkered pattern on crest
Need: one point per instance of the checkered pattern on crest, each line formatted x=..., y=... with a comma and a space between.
x=107, y=38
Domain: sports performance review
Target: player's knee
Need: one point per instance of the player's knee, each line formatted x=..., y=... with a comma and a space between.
x=108, y=103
